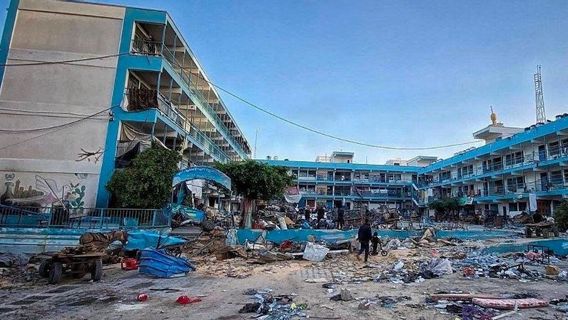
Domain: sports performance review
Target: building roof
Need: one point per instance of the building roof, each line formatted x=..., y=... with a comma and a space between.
x=341, y=165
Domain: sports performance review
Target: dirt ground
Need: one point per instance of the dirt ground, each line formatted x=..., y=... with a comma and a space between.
x=115, y=296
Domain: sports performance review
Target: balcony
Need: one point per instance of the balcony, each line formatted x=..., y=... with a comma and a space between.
x=192, y=84
x=139, y=99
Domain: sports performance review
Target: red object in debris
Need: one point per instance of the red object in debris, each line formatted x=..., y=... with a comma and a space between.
x=142, y=297
x=468, y=271
x=286, y=245
x=187, y=300
x=129, y=264
x=531, y=255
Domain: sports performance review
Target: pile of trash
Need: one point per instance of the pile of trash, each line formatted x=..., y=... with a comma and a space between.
x=17, y=269
x=520, y=265
x=272, y=307
x=486, y=306
x=415, y=271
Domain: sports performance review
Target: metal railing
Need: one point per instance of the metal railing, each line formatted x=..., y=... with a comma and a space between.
x=88, y=218
x=171, y=111
x=146, y=47
x=186, y=77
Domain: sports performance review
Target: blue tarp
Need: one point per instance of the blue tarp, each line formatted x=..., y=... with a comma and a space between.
x=188, y=213
x=138, y=240
x=157, y=263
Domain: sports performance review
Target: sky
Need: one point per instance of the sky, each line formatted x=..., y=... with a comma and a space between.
x=395, y=73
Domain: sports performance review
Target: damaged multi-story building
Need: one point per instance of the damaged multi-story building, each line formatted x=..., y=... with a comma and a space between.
x=85, y=87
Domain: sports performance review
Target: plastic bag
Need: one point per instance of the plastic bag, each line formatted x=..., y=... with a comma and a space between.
x=441, y=267
x=231, y=238
x=315, y=252
x=282, y=223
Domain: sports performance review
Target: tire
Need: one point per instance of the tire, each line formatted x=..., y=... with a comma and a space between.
x=97, y=270
x=55, y=273
x=44, y=269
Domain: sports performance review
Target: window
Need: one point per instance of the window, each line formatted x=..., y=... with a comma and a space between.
x=553, y=149
x=515, y=184
x=556, y=178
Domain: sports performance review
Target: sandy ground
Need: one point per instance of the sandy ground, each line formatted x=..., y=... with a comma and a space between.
x=115, y=296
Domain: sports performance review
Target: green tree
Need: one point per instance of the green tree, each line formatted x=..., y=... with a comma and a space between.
x=561, y=216
x=444, y=206
x=146, y=183
x=253, y=181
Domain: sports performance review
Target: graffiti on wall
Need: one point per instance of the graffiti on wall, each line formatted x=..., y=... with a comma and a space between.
x=43, y=192
x=89, y=155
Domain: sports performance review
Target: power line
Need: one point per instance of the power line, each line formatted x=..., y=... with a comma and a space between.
x=254, y=106
x=62, y=61
x=330, y=135
x=45, y=128
x=60, y=127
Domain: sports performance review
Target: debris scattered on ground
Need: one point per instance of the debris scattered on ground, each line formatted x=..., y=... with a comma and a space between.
x=272, y=306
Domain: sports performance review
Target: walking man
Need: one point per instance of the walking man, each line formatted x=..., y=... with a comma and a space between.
x=364, y=237
x=340, y=218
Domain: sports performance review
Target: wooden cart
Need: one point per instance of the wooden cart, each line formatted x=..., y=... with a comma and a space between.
x=541, y=229
x=78, y=265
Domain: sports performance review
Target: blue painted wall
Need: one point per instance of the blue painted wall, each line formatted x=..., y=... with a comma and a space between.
x=7, y=35
x=126, y=62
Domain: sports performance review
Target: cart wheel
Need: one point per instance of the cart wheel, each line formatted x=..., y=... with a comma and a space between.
x=97, y=270
x=44, y=269
x=55, y=272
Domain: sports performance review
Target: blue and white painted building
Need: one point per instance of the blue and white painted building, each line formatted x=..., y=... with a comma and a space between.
x=514, y=165
x=129, y=79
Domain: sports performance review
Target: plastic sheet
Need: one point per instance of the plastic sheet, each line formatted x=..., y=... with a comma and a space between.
x=138, y=240
x=315, y=252
x=159, y=264
x=231, y=238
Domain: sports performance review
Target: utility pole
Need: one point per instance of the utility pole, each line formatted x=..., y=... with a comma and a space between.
x=539, y=97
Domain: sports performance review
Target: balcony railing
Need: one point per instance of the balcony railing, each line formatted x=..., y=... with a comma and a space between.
x=142, y=99
x=146, y=47
x=186, y=77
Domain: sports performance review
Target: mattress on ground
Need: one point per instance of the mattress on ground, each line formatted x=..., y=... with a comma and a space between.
x=509, y=304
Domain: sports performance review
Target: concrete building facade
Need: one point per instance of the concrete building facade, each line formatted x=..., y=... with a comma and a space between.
x=96, y=85
x=516, y=167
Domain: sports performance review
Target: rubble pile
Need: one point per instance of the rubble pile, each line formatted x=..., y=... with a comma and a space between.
x=272, y=307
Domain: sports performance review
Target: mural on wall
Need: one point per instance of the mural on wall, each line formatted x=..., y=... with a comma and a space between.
x=88, y=155
x=46, y=192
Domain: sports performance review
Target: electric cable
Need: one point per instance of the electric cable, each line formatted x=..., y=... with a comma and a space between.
x=60, y=127
x=62, y=61
x=245, y=101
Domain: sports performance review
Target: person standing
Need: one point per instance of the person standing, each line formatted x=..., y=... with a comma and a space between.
x=340, y=218
x=364, y=235
x=307, y=214
x=321, y=213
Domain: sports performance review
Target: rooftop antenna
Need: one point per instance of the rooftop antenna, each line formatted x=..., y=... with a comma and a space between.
x=539, y=96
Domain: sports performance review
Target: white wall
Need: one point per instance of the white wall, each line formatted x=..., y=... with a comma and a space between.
x=48, y=95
